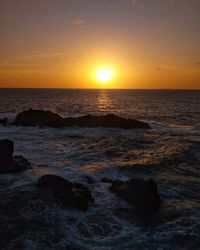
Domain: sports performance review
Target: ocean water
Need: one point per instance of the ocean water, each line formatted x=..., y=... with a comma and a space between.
x=169, y=153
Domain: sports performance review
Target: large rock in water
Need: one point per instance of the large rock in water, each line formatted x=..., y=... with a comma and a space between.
x=38, y=117
x=8, y=162
x=75, y=195
x=143, y=194
x=50, y=119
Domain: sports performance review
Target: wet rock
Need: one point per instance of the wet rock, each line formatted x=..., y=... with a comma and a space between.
x=88, y=179
x=106, y=180
x=83, y=191
x=75, y=195
x=10, y=163
x=54, y=183
x=47, y=118
x=78, y=202
x=21, y=162
x=109, y=121
x=38, y=117
x=143, y=194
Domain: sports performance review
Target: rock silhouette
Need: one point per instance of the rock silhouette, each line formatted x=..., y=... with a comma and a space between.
x=74, y=195
x=143, y=194
x=8, y=162
x=47, y=118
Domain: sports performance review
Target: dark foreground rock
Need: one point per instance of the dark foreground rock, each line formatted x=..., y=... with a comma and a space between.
x=74, y=195
x=106, y=180
x=3, y=121
x=143, y=194
x=8, y=162
x=50, y=119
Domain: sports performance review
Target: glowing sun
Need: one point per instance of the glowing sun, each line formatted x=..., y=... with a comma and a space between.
x=104, y=75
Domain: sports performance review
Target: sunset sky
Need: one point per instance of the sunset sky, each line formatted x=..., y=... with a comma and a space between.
x=63, y=43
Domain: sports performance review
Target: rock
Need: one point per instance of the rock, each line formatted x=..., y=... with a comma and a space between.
x=6, y=151
x=4, y=121
x=83, y=191
x=38, y=117
x=70, y=195
x=88, y=179
x=10, y=163
x=109, y=121
x=54, y=183
x=21, y=162
x=78, y=202
x=106, y=180
x=47, y=118
x=143, y=194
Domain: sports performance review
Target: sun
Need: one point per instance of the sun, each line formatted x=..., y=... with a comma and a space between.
x=104, y=75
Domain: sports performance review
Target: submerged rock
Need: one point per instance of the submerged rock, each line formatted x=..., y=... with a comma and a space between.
x=47, y=118
x=143, y=194
x=75, y=195
x=10, y=163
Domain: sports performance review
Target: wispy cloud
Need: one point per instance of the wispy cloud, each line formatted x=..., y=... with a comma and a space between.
x=78, y=21
x=3, y=63
x=43, y=55
x=133, y=2
x=137, y=3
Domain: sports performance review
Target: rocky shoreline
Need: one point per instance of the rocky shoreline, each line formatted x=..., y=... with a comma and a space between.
x=141, y=193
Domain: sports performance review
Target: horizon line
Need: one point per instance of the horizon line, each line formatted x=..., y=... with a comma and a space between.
x=43, y=88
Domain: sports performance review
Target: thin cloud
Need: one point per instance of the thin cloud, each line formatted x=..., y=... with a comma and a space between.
x=3, y=63
x=137, y=3
x=134, y=2
x=78, y=21
x=43, y=55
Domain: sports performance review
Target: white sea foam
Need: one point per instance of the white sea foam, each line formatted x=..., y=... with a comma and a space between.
x=9, y=116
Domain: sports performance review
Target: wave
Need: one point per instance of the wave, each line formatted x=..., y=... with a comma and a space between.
x=9, y=117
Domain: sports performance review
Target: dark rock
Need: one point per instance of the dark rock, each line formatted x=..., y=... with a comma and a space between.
x=109, y=121
x=88, y=179
x=50, y=119
x=38, y=117
x=70, y=195
x=83, y=191
x=78, y=202
x=22, y=162
x=143, y=194
x=10, y=163
x=4, y=121
x=106, y=180
x=55, y=183
x=6, y=151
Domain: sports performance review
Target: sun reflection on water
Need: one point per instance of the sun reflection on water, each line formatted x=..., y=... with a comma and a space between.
x=104, y=101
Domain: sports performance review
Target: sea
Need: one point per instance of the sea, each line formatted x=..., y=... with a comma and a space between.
x=169, y=153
